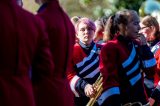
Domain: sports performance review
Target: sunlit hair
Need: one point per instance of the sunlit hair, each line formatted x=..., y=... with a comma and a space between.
x=75, y=19
x=101, y=21
x=98, y=22
x=86, y=21
x=149, y=21
x=121, y=18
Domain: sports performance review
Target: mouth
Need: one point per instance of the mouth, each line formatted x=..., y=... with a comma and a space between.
x=86, y=37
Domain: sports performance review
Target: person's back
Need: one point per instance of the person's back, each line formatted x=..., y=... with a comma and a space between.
x=62, y=37
x=23, y=46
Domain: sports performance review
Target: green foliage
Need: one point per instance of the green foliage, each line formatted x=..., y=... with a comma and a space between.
x=91, y=8
x=98, y=8
x=130, y=4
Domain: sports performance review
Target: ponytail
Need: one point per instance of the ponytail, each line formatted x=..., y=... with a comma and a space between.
x=110, y=29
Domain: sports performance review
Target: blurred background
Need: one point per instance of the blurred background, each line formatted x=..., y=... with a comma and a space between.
x=97, y=8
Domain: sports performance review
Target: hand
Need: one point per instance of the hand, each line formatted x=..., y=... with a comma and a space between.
x=89, y=90
x=141, y=39
x=151, y=101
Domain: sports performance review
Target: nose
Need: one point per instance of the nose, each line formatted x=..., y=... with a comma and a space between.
x=86, y=30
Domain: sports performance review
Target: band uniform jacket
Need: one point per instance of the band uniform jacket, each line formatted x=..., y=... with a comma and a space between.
x=24, y=46
x=123, y=62
x=83, y=69
x=61, y=34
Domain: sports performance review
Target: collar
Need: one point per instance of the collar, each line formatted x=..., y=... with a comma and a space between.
x=42, y=7
x=86, y=46
x=152, y=43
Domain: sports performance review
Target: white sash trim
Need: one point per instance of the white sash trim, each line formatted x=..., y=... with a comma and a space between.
x=73, y=84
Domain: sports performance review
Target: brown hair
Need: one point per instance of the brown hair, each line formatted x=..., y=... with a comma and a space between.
x=149, y=21
x=113, y=25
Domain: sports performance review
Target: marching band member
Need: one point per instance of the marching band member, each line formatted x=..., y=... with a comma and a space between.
x=124, y=57
x=84, y=68
x=150, y=28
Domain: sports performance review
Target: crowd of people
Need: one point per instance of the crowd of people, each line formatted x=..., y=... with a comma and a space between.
x=50, y=59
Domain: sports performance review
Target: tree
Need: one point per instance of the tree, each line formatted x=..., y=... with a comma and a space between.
x=98, y=8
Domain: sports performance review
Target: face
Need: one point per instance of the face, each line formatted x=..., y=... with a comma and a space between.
x=85, y=33
x=99, y=31
x=146, y=31
x=132, y=28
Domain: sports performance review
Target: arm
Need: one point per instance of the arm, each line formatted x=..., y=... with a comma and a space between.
x=155, y=96
x=42, y=66
x=78, y=85
x=148, y=61
x=109, y=69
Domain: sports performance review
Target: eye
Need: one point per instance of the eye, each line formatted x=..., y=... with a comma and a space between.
x=82, y=29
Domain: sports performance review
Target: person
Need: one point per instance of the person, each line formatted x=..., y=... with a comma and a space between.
x=150, y=28
x=100, y=27
x=24, y=48
x=61, y=34
x=124, y=57
x=84, y=68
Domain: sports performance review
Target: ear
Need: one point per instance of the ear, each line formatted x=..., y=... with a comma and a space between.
x=77, y=35
x=122, y=28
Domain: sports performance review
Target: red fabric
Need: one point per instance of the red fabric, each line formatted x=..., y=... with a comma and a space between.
x=110, y=61
x=78, y=56
x=22, y=41
x=157, y=57
x=62, y=36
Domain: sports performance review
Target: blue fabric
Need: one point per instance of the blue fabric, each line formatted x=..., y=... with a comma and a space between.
x=87, y=49
x=42, y=7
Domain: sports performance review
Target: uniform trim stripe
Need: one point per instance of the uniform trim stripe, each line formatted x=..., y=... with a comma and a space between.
x=134, y=68
x=86, y=58
x=92, y=74
x=73, y=84
x=135, y=79
x=90, y=65
x=130, y=58
x=110, y=92
x=149, y=63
